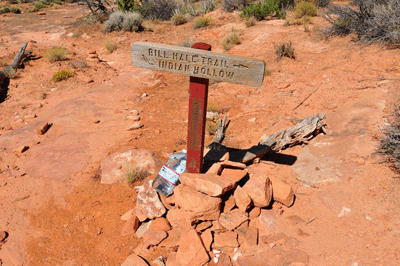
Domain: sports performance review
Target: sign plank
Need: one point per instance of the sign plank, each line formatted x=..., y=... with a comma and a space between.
x=198, y=63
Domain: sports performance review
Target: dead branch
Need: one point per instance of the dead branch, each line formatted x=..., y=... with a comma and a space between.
x=220, y=134
x=299, y=133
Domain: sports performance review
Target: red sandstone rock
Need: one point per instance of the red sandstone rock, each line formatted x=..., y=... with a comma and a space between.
x=199, y=205
x=203, y=226
x=210, y=184
x=134, y=260
x=149, y=201
x=224, y=260
x=282, y=192
x=130, y=227
x=153, y=238
x=216, y=168
x=248, y=235
x=233, y=164
x=226, y=240
x=207, y=238
x=232, y=219
x=179, y=218
x=134, y=212
x=172, y=261
x=229, y=204
x=160, y=224
x=254, y=213
x=243, y=201
x=259, y=188
x=115, y=167
x=191, y=251
x=234, y=175
x=43, y=128
x=172, y=241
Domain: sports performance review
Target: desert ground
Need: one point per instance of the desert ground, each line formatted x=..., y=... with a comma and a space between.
x=56, y=211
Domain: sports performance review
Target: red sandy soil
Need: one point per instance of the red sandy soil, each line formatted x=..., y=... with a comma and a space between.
x=57, y=212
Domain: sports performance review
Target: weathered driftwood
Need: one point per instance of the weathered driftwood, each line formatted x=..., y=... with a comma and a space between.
x=299, y=133
x=220, y=133
x=5, y=72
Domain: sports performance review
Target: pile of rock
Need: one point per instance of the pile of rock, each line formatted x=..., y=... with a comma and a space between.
x=223, y=217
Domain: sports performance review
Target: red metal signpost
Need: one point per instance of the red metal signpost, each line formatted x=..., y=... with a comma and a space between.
x=198, y=94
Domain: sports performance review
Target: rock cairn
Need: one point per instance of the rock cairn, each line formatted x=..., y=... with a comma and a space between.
x=226, y=216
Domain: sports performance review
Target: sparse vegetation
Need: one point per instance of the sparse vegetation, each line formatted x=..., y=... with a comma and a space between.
x=78, y=64
x=62, y=75
x=5, y=9
x=212, y=107
x=285, y=49
x=15, y=10
x=305, y=8
x=56, y=54
x=374, y=21
x=155, y=9
x=202, y=22
x=187, y=43
x=128, y=21
x=211, y=127
x=250, y=22
x=111, y=46
x=9, y=72
x=43, y=95
x=134, y=175
x=179, y=17
x=231, y=5
x=233, y=38
x=263, y=9
x=207, y=6
x=389, y=146
x=322, y=3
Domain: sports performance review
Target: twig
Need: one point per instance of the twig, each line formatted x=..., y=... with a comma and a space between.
x=22, y=198
x=310, y=220
x=305, y=99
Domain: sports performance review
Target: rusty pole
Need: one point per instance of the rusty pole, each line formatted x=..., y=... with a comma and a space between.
x=198, y=94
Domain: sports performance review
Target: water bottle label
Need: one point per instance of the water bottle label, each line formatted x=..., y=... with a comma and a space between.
x=181, y=167
x=169, y=175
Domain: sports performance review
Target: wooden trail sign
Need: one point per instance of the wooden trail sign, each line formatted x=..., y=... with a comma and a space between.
x=198, y=63
x=201, y=65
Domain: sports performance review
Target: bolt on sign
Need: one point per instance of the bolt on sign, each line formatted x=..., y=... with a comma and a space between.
x=201, y=65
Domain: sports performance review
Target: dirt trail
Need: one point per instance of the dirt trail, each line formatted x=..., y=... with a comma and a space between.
x=55, y=209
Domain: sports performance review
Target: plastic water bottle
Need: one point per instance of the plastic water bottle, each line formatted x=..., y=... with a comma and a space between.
x=168, y=176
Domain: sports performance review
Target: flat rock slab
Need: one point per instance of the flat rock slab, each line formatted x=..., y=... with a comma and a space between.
x=200, y=205
x=134, y=260
x=191, y=250
x=115, y=167
x=149, y=201
x=232, y=219
x=210, y=184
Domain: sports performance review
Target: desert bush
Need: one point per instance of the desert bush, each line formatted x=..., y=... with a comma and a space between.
x=285, y=49
x=187, y=43
x=262, y=9
x=128, y=21
x=231, y=5
x=233, y=38
x=251, y=21
x=39, y=5
x=62, y=75
x=110, y=46
x=322, y=3
x=207, y=6
x=373, y=21
x=5, y=9
x=305, y=9
x=15, y=10
x=202, y=22
x=78, y=64
x=128, y=5
x=179, y=17
x=157, y=9
x=56, y=54
x=389, y=146
x=134, y=175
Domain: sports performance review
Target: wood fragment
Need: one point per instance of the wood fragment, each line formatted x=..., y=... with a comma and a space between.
x=299, y=133
x=220, y=134
x=310, y=220
x=305, y=99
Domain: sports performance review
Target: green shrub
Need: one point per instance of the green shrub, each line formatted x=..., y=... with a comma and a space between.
x=233, y=38
x=134, y=175
x=5, y=9
x=202, y=22
x=179, y=17
x=55, y=54
x=128, y=5
x=262, y=9
x=15, y=10
x=251, y=21
x=128, y=21
x=110, y=46
x=62, y=75
x=305, y=9
x=285, y=49
x=39, y=5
